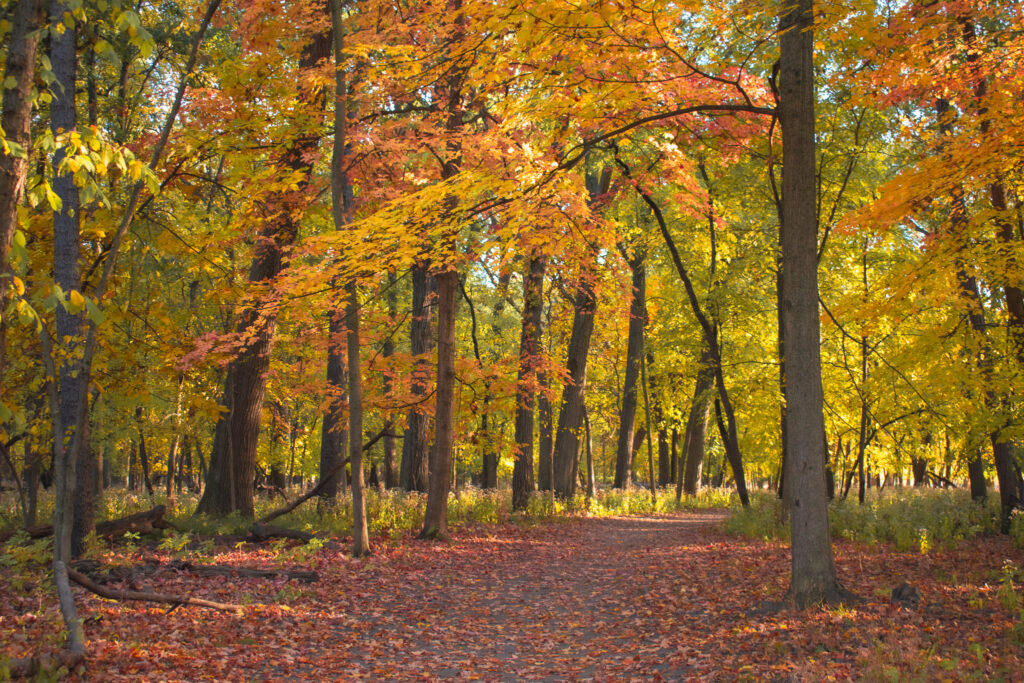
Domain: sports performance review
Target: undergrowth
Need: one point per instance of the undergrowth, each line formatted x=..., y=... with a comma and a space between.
x=393, y=512
x=910, y=519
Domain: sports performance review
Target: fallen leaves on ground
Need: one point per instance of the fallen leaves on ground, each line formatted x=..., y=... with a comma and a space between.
x=628, y=598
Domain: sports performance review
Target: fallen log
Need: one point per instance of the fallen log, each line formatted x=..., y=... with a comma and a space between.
x=142, y=523
x=263, y=532
x=143, y=596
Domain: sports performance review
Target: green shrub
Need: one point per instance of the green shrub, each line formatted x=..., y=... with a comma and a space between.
x=910, y=519
x=761, y=519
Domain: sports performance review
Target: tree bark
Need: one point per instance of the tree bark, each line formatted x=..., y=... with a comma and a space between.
x=435, y=521
x=570, y=417
x=66, y=273
x=545, y=440
x=19, y=72
x=229, y=486
x=565, y=456
x=341, y=207
x=634, y=352
x=589, y=434
x=696, y=426
x=334, y=428
x=529, y=351
x=360, y=533
x=416, y=442
x=813, y=570
x=388, y=350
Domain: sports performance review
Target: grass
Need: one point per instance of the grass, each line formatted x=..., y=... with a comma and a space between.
x=389, y=513
x=909, y=518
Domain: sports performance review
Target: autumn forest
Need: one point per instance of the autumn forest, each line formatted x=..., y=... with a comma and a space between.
x=348, y=287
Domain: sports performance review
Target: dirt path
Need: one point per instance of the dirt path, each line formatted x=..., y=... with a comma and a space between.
x=578, y=602
x=605, y=599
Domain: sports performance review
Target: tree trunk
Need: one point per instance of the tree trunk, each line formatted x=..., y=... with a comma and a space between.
x=696, y=426
x=390, y=455
x=172, y=452
x=647, y=415
x=229, y=487
x=634, y=352
x=360, y=533
x=590, y=452
x=334, y=429
x=416, y=442
x=66, y=245
x=489, y=469
x=341, y=207
x=144, y=457
x=675, y=474
x=19, y=73
x=545, y=440
x=813, y=570
x=529, y=352
x=570, y=417
x=435, y=521
x=664, y=460
x=85, y=493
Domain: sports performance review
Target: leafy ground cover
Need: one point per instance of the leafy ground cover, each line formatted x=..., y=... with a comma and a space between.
x=669, y=596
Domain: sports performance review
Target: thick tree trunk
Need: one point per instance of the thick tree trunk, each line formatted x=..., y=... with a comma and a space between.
x=417, y=433
x=435, y=521
x=85, y=492
x=66, y=273
x=229, y=487
x=529, y=351
x=19, y=73
x=630, y=385
x=1003, y=449
x=570, y=417
x=696, y=426
x=66, y=396
x=813, y=570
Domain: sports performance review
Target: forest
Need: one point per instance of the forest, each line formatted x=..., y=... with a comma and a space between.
x=410, y=277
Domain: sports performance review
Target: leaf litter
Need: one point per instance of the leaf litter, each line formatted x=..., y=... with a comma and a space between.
x=668, y=597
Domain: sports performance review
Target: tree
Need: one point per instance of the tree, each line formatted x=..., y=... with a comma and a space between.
x=529, y=354
x=229, y=485
x=634, y=352
x=19, y=71
x=814, y=574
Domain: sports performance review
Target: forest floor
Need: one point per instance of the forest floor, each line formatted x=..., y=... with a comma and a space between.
x=644, y=598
